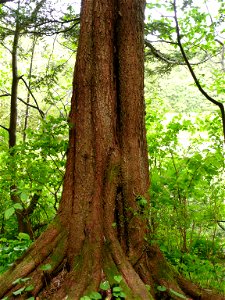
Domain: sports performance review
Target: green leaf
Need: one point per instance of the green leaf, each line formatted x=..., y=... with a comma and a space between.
x=161, y=288
x=117, y=289
x=18, y=206
x=46, y=267
x=25, y=279
x=19, y=292
x=29, y=288
x=24, y=196
x=21, y=280
x=23, y=236
x=9, y=212
x=85, y=298
x=31, y=298
x=118, y=278
x=18, y=280
x=122, y=294
x=177, y=294
x=105, y=286
x=95, y=295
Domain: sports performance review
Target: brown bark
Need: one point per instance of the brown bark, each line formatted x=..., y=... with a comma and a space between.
x=98, y=231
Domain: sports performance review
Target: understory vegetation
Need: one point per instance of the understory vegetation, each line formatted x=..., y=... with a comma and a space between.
x=187, y=192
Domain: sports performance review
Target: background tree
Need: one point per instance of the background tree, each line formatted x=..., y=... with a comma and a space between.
x=29, y=23
x=203, y=41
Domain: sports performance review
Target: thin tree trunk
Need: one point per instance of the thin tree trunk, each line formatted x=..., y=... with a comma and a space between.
x=23, y=221
x=28, y=92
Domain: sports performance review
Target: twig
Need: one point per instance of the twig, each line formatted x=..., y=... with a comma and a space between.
x=27, y=104
x=158, y=54
x=4, y=1
x=4, y=128
x=37, y=107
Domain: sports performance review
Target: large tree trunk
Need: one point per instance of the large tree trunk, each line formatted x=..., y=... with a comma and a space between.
x=99, y=231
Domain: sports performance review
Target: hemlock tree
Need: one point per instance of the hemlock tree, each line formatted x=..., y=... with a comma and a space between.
x=99, y=231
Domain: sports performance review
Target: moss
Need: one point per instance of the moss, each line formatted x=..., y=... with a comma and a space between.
x=78, y=262
x=58, y=255
x=165, y=270
x=113, y=172
x=111, y=272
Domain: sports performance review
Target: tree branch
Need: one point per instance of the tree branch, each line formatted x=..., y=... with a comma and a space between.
x=4, y=128
x=5, y=95
x=37, y=106
x=53, y=32
x=161, y=56
x=27, y=104
x=220, y=225
x=217, y=40
x=33, y=203
x=4, y=1
x=222, y=53
x=30, y=105
x=219, y=104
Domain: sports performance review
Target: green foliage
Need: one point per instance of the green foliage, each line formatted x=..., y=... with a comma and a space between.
x=25, y=288
x=92, y=296
x=11, y=249
x=46, y=267
x=116, y=290
x=161, y=288
x=40, y=169
x=186, y=157
x=104, y=285
x=202, y=38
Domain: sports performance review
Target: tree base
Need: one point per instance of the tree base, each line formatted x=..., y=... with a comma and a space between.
x=45, y=267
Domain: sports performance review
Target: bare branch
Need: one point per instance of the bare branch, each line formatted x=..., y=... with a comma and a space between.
x=158, y=54
x=220, y=225
x=28, y=104
x=37, y=106
x=217, y=40
x=5, y=95
x=53, y=32
x=219, y=104
x=33, y=203
x=162, y=41
x=4, y=1
x=4, y=128
x=222, y=53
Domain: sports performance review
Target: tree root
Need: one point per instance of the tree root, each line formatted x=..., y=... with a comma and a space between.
x=59, y=282
x=40, y=260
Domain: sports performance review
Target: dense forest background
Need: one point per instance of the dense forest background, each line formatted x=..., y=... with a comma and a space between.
x=38, y=42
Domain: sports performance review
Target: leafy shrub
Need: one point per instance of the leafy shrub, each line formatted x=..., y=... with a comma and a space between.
x=11, y=249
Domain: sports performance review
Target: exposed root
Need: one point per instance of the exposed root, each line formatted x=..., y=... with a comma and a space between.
x=48, y=250
x=60, y=282
x=54, y=275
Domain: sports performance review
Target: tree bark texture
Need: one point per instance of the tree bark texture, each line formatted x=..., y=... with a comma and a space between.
x=99, y=231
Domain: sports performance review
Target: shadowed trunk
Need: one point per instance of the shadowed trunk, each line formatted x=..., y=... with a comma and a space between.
x=99, y=231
